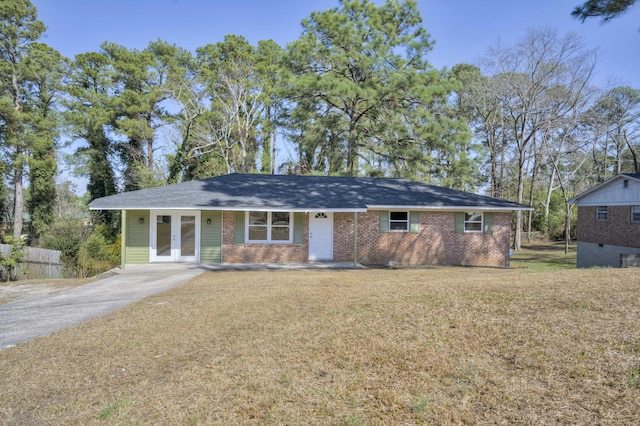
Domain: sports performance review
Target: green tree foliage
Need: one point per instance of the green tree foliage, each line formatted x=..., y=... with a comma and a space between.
x=363, y=92
x=19, y=28
x=98, y=253
x=272, y=75
x=90, y=118
x=45, y=70
x=605, y=9
x=229, y=71
x=139, y=100
x=66, y=235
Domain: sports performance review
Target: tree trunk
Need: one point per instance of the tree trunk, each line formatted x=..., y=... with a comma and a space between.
x=352, y=161
x=517, y=237
x=266, y=143
x=547, y=202
x=17, y=160
x=17, y=181
x=273, y=149
x=634, y=153
x=567, y=228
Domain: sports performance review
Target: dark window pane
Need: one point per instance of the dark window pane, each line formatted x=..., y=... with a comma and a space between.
x=280, y=218
x=398, y=215
x=472, y=226
x=398, y=226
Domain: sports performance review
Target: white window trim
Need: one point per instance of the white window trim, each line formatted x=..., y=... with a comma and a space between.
x=606, y=213
x=269, y=228
x=399, y=221
x=478, y=231
x=635, y=210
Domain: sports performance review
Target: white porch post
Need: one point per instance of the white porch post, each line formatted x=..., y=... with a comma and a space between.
x=355, y=239
x=123, y=238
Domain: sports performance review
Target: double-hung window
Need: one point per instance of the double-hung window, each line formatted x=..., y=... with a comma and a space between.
x=602, y=212
x=269, y=227
x=399, y=221
x=473, y=222
x=635, y=213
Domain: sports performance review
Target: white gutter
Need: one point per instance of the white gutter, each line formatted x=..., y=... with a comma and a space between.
x=450, y=208
x=233, y=209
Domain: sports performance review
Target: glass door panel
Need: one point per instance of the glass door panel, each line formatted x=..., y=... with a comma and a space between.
x=163, y=235
x=187, y=236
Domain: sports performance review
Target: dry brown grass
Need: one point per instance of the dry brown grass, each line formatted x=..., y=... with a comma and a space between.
x=415, y=346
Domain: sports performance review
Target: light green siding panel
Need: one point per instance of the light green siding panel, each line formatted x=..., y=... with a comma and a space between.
x=137, y=237
x=298, y=228
x=211, y=237
x=238, y=228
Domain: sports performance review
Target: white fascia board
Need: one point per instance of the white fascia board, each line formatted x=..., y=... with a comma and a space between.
x=608, y=203
x=451, y=208
x=233, y=209
x=285, y=209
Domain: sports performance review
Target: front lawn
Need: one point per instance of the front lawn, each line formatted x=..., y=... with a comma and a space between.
x=414, y=346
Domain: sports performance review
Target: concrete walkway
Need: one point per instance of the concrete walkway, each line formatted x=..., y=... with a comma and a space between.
x=26, y=319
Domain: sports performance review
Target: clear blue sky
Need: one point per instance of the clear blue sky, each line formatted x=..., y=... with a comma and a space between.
x=462, y=29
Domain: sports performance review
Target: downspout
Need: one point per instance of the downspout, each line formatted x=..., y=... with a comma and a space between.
x=123, y=238
x=355, y=239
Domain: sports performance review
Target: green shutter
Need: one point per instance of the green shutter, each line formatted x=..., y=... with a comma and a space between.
x=298, y=228
x=414, y=222
x=459, y=222
x=238, y=228
x=384, y=221
x=488, y=223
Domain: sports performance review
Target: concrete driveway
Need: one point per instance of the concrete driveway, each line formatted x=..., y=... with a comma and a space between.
x=26, y=319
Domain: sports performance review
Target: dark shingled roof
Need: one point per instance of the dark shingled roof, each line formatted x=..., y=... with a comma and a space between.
x=299, y=193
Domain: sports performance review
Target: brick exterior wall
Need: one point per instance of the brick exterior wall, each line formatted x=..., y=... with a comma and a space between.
x=617, y=230
x=437, y=243
x=260, y=253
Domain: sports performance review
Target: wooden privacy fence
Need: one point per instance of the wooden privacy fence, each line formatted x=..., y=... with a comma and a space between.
x=36, y=263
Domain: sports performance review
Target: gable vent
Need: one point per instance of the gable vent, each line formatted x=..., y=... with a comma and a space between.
x=625, y=183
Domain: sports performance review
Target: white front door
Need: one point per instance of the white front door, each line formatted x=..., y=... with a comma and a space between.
x=175, y=236
x=320, y=236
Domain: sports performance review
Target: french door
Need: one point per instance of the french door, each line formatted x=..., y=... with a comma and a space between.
x=175, y=236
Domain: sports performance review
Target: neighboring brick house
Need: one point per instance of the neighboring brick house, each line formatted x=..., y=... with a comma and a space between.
x=609, y=222
x=252, y=218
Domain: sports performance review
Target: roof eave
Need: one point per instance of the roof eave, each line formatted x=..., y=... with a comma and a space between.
x=452, y=208
x=238, y=208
